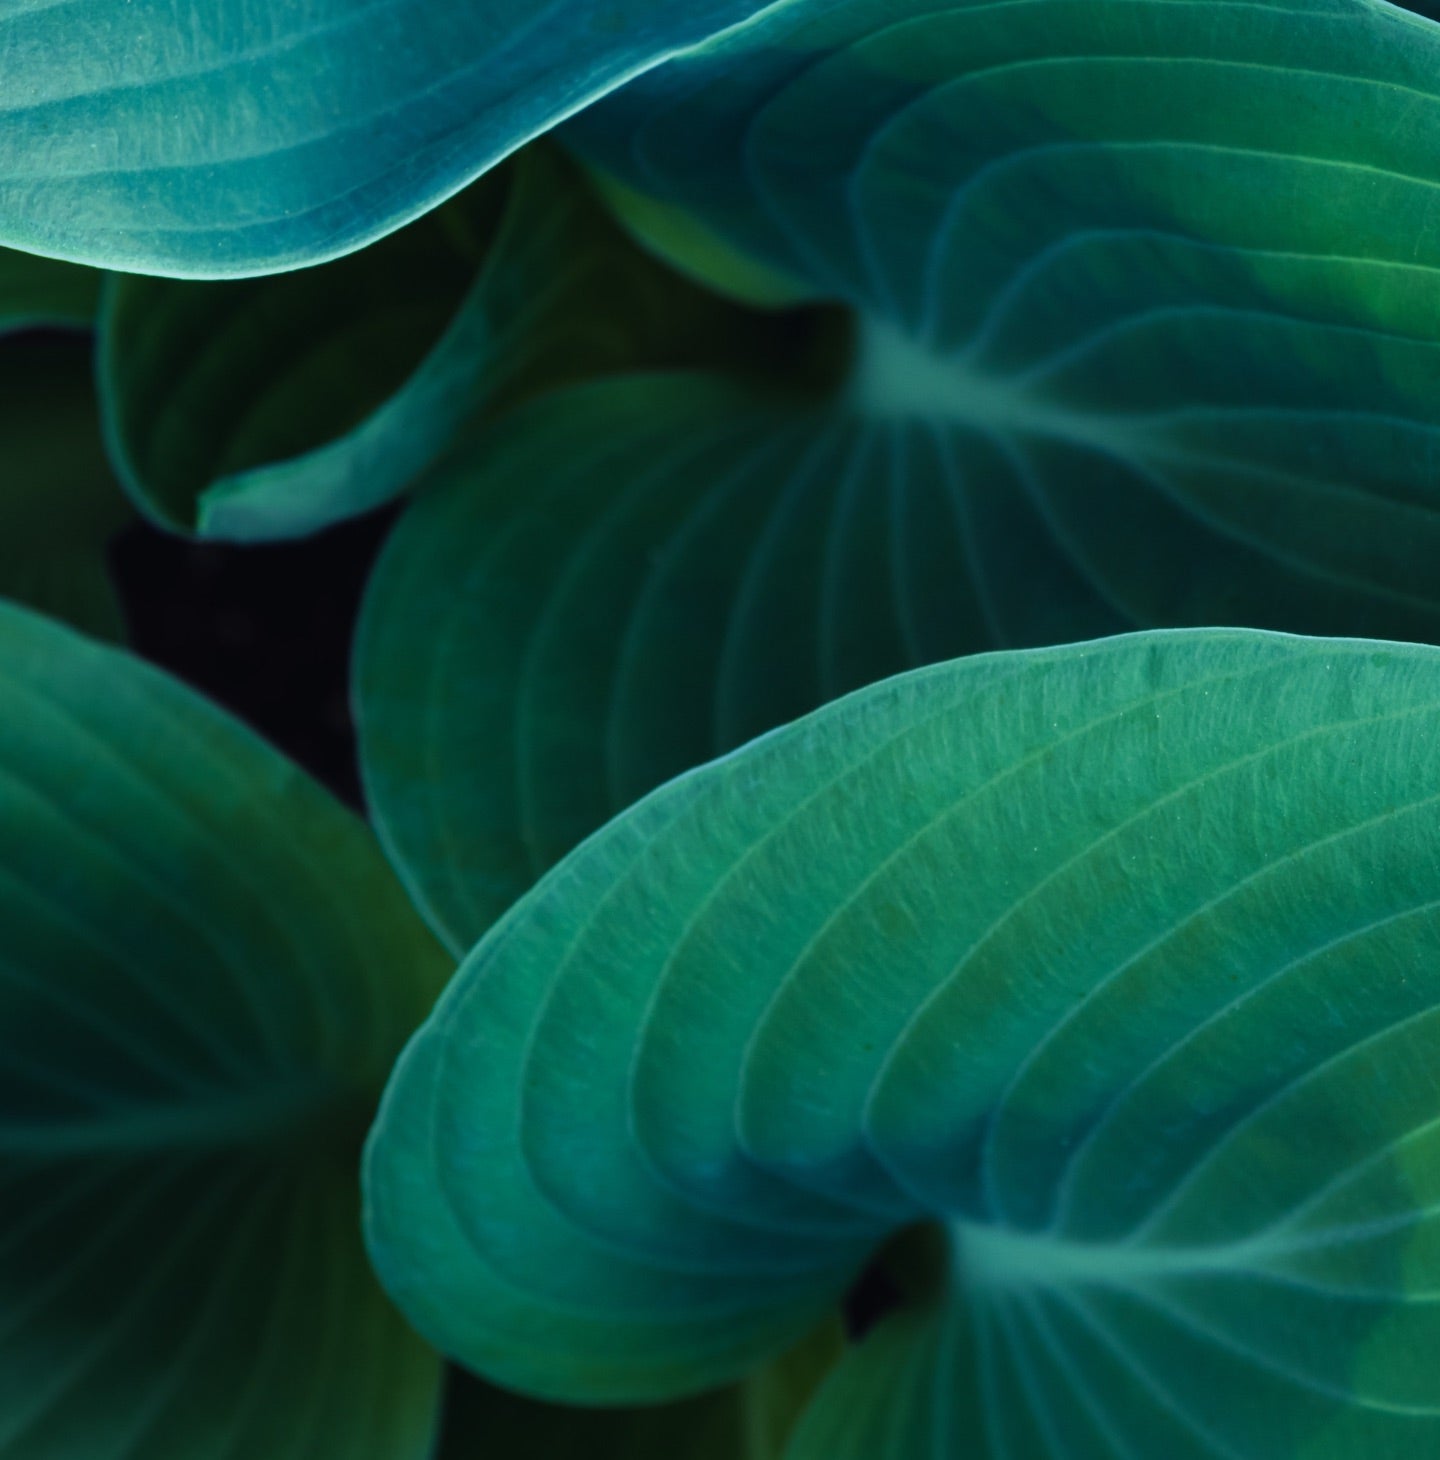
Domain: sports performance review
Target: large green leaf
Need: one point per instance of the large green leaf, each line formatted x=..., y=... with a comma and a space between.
x=243, y=136
x=272, y=407
x=205, y=971
x=59, y=501
x=1145, y=289
x=539, y=644
x=1146, y=336
x=1117, y=963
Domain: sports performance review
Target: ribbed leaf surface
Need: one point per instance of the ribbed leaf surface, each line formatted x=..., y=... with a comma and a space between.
x=242, y=136
x=205, y=971
x=1116, y=962
x=1145, y=286
x=1146, y=336
x=274, y=407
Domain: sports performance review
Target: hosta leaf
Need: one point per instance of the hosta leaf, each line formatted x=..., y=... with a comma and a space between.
x=36, y=291
x=271, y=407
x=205, y=971
x=265, y=408
x=244, y=136
x=539, y=642
x=1139, y=343
x=628, y=578
x=59, y=502
x=1115, y=962
x=1144, y=289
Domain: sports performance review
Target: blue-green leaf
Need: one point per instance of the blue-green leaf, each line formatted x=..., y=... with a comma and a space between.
x=1150, y=284
x=1115, y=963
x=539, y=642
x=205, y=972
x=273, y=407
x=245, y=136
x=1145, y=335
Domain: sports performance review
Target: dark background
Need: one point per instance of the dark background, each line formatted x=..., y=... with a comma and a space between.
x=263, y=629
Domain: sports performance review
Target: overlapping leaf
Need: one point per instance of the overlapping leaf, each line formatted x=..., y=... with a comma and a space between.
x=1146, y=336
x=1116, y=962
x=242, y=136
x=205, y=971
x=1145, y=288
x=274, y=407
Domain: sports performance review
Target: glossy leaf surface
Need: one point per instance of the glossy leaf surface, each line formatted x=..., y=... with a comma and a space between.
x=241, y=136
x=1117, y=962
x=266, y=408
x=205, y=971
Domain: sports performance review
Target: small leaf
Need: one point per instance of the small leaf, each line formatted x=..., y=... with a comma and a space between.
x=205, y=972
x=243, y=138
x=268, y=408
x=1116, y=963
x=59, y=503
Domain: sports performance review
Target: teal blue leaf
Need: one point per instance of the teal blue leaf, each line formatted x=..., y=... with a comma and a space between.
x=271, y=407
x=1115, y=964
x=1147, y=288
x=266, y=408
x=41, y=292
x=246, y=137
x=205, y=972
x=59, y=501
x=625, y=579
x=538, y=644
x=1146, y=336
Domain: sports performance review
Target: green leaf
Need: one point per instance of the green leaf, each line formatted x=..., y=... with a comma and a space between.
x=626, y=579
x=686, y=244
x=1144, y=290
x=59, y=502
x=205, y=972
x=243, y=138
x=1146, y=336
x=36, y=291
x=266, y=408
x=539, y=641
x=1115, y=963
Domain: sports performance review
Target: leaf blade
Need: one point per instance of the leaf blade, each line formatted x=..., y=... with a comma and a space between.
x=195, y=1027
x=819, y=981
